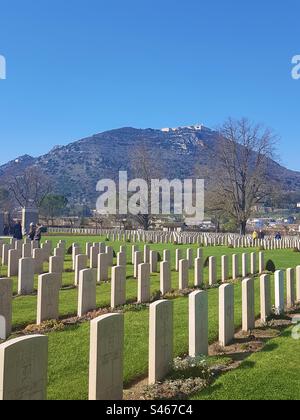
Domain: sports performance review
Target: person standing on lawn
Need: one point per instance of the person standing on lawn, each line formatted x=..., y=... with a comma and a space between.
x=31, y=233
x=38, y=233
x=17, y=234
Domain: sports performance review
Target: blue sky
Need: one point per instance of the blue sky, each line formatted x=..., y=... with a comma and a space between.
x=76, y=68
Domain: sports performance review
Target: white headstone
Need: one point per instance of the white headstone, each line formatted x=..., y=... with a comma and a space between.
x=160, y=340
x=183, y=274
x=298, y=283
x=279, y=292
x=212, y=271
x=106, y=358
x=6, y=295
x=265, y=298
x=248, y=305
x=23, y=369
x=198, y=323
x=81, y=261
x=235, y=267
x=290, y=285
x=144, y=283
x=118, y=286
x=48, y=297
x=225, y=272
x=226, y=314
x=26, y=276
x=198, y=281
x=165, y=277
x=86, y=291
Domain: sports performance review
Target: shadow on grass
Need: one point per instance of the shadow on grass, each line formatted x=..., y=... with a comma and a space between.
x=270, y=347
x=239, y=357
x=70, y=327
x=207, y=392
x=287, y=333
x=247, y=364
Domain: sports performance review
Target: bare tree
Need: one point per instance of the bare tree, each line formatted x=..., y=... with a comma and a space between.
x=147, y=166
x=123, y=221
x=241, y=168
x=98, y=220
x=31, y=188
x=5, y=200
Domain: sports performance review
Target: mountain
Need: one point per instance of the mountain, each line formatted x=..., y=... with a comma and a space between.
x=76, y=168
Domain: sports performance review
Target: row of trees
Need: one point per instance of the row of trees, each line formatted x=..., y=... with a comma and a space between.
x=238, y=181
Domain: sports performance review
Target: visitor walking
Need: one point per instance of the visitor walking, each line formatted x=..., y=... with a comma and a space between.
x=261, y=234
x=38, y=233
x=31, y=233
x=278, y=236
x=6, y=230
x=17, y=234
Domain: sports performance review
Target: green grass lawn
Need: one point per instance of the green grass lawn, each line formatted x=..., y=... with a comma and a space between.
x=69, y=349
x=272, y=374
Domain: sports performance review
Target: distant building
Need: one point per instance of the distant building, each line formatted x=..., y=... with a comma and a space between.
x=173, y=227
x=263, y=209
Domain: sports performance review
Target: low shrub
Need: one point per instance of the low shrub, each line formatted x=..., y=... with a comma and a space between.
x=206, y=262
x=188, y=376
x=270, y=266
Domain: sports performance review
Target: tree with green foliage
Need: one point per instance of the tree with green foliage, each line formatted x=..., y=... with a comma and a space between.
x=53, y=206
